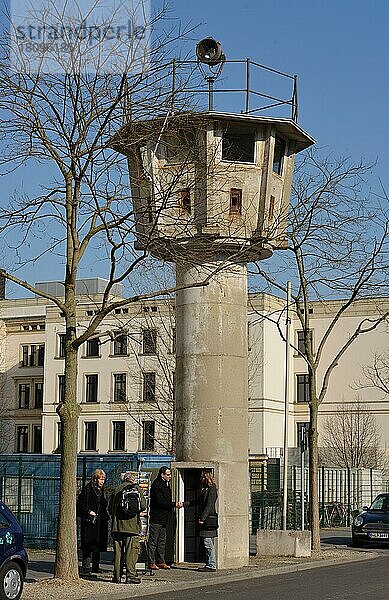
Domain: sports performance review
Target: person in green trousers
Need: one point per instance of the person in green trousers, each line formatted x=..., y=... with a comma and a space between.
x=125, y=532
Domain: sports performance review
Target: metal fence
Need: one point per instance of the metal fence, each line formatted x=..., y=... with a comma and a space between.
x=29, y=485
x=342, y=492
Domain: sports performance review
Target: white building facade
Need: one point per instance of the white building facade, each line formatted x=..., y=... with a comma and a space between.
x=126, y=374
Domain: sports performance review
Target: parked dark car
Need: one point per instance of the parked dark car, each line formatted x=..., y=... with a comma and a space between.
x=13, y=557
x=372, y=524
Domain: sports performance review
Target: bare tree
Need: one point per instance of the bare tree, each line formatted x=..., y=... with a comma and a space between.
x=377, y=374
x=337, y=250
x=152, y=371
x=59, y=112
x=351, y=438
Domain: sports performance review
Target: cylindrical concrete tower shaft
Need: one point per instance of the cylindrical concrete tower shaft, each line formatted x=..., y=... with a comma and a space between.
x=211, y=390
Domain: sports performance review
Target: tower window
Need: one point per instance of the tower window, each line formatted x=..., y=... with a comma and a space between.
x=279, y=153
x=238, y=145
x=184, y=199
x=235, y=201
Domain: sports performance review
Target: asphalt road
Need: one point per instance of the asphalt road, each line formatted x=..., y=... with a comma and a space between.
x=367, y=580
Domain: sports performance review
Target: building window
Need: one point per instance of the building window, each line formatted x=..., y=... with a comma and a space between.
x=148, y=387
x=120, y=344
x=235, y=201
x=33, y=355
x=279, y=153
x=91, y=435
x=119, y=391
x=61, y=345
x=302, y=388
x=59, y=437
x=301, y=341
x=37, y=439
x=184, y=200
x=238, y=145
x=149, y=341
x=24, y=395
x=118, y=433
x=148, y=435
x=300, y=429
x=38, y=393
x=91, y=388
x=22, y=438
x=93, y=347
x=61, y=388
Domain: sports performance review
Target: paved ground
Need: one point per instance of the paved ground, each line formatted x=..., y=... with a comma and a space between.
x=336, y=548
x=362, y=580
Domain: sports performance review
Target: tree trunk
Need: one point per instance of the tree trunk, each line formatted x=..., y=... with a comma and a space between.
x=313, y=476
x=66, y=564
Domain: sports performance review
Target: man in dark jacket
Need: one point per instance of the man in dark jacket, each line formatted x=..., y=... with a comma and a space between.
x=161, y=507
x=125, y=532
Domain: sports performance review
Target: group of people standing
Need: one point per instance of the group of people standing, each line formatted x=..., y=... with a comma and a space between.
x=95, y=512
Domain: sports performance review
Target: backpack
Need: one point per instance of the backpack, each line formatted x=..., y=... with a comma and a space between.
x=128, y=505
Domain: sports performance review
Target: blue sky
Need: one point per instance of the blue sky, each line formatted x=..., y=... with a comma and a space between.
x=339, y=50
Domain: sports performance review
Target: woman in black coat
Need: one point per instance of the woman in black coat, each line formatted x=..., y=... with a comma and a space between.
x=207, y=501
x=92, y=510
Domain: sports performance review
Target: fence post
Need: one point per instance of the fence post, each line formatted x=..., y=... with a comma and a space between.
x=294, y=497
x=323, y=496
x=371, y=485
x=262, y=497
x=348, y=496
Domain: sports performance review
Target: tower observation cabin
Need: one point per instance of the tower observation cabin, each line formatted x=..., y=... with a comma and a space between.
x=210, y=181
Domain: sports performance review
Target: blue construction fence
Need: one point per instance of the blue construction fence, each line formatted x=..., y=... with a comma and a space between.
x=29, y=485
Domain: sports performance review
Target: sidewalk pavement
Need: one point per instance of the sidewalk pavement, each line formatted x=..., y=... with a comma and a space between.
x=41, y=585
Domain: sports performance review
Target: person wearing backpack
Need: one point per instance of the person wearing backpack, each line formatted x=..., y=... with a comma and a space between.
x=161, y=507
x=125, y=506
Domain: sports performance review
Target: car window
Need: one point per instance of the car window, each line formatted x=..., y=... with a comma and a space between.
x=3, y=522
x=380, y=503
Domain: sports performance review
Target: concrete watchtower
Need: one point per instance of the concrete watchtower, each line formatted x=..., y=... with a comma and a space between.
x=211, y=192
